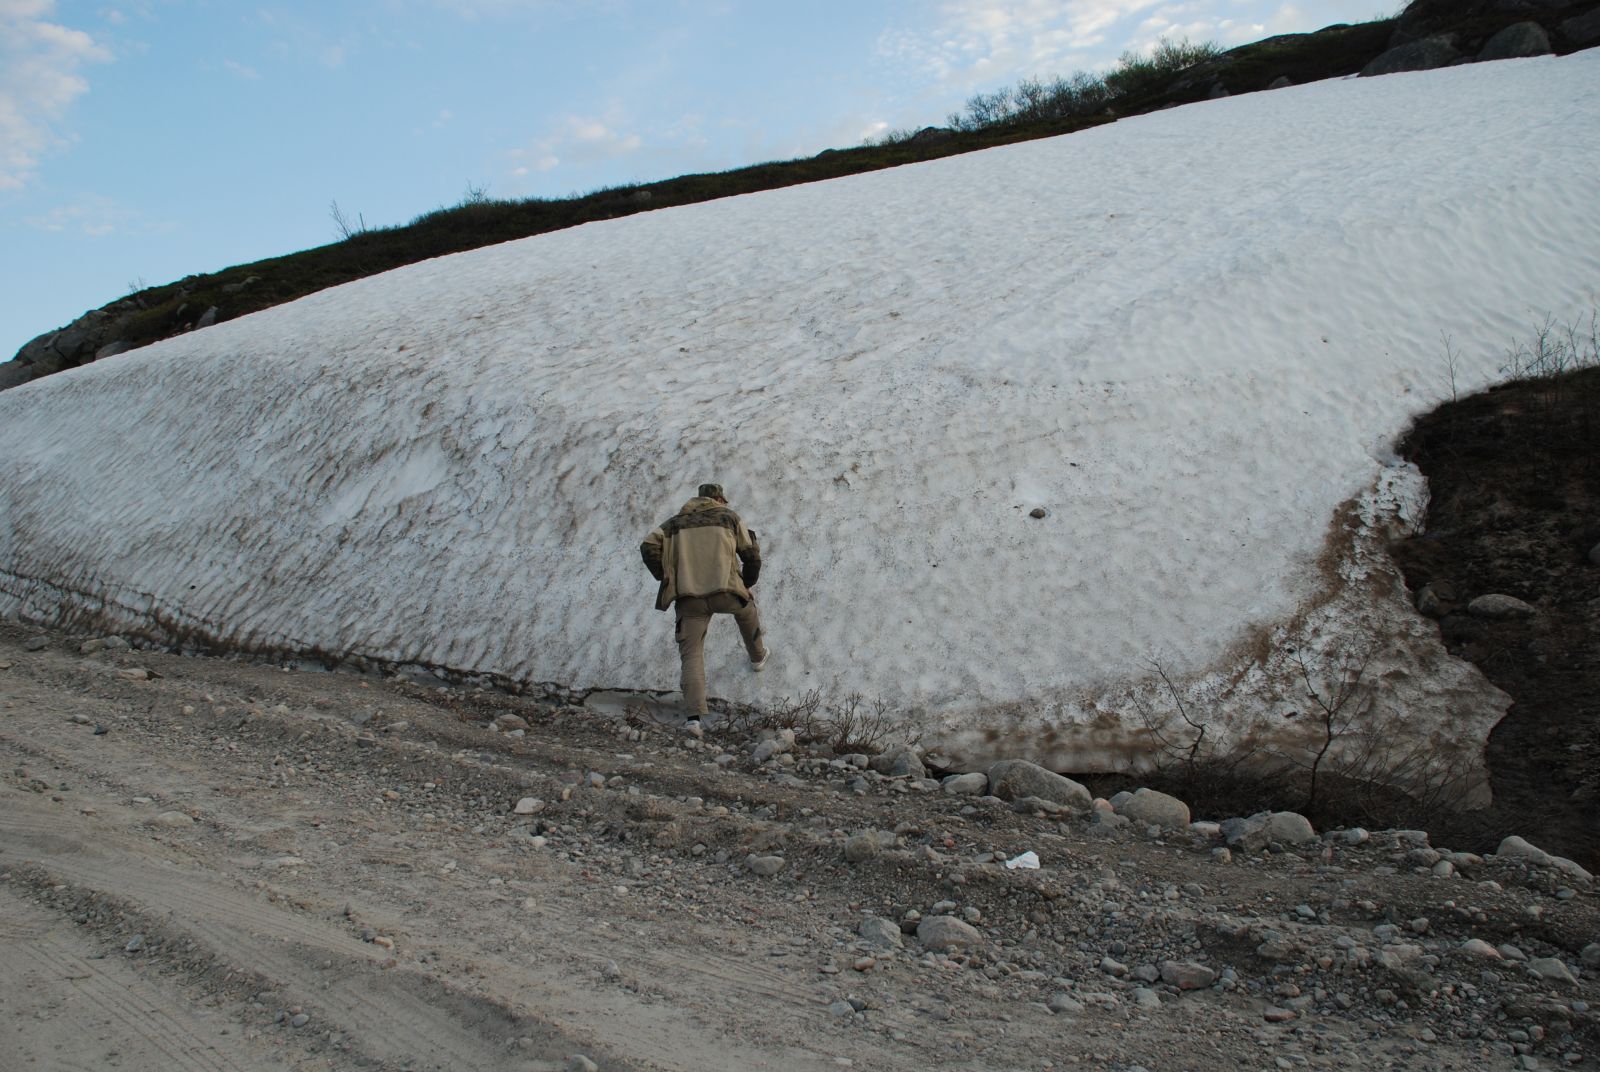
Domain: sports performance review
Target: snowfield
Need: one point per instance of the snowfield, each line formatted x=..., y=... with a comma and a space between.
x=1192, y=338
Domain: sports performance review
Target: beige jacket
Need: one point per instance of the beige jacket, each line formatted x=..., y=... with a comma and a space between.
x=700, y=551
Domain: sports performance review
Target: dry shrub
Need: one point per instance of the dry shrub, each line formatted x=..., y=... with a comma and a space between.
x=850, y=724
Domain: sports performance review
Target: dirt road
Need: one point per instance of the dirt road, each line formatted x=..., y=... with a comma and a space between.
x=212, y=864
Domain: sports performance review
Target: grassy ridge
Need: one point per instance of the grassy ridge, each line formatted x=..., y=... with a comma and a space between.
x=163, y=311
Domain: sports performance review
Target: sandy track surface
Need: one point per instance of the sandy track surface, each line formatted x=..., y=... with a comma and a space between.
x=210, y=864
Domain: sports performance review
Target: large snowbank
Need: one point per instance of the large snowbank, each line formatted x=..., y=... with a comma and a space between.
x=1191, y=337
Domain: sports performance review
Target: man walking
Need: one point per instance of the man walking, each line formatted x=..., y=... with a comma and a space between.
x=707, y=562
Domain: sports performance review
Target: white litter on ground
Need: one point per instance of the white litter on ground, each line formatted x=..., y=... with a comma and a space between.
x=1192, y=338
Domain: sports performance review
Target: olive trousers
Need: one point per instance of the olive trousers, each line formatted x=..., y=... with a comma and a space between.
x=694, y=616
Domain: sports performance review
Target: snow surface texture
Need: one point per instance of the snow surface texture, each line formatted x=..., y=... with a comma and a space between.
x=1191, y=337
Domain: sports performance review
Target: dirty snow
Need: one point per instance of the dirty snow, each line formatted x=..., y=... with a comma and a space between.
x=1190, y=337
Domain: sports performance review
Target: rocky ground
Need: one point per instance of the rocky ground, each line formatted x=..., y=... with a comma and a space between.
x=214, y=864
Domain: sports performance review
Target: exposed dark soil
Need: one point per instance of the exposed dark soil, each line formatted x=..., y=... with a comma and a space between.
x=1515, y=480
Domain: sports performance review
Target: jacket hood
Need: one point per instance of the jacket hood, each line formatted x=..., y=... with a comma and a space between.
x=699, y=503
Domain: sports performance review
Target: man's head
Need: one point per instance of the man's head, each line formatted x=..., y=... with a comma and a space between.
x=712, y=491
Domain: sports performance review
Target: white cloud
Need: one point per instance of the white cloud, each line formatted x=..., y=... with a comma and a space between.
x=40, y=64
x=576, y=140
x=92, y=216
x=984, y=41
x=249, y=74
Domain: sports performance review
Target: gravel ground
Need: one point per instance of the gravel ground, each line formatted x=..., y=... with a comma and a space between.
x=226, y=864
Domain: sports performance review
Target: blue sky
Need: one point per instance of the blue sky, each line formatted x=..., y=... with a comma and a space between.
x=146, y=140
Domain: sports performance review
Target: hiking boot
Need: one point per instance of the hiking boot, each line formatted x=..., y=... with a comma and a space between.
x=693, y=728
x=758, y=665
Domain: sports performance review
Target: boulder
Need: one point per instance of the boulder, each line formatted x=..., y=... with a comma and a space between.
x=1424, y=55
x=962, y=785
x=1290, y=828
x=1280, y=82
x=765, y=866
x=14, y=374
x=207, y=318
x=1516, y=848
x=1256, y=832
x=901, y=761
x=1499, y=607
x=1159, y=809
x=1187, y=975
x=1552, y=970
x=944, y=933
x=1035, y=805
x=880, y=932
x=1582, y=30
x=1012, y=779
x=1517, y=41
x=1594, y=552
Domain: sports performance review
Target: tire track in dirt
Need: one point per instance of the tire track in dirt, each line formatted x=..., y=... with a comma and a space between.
x=149, y=1025
x=397, y=1017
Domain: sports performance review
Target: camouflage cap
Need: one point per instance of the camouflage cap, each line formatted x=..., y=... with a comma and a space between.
x=711, y=491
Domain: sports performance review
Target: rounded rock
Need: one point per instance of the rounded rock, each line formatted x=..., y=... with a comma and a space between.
x=943, y=933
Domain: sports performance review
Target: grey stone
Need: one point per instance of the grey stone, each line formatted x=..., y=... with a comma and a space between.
x=947, y=932
x=1256, y=832
x=1063, y=1003
x=579, y=1062
x=765, y=866
x=37, y=643
x=207, y=318
x=1477, y=947
x=1516, y=848
x=1424, y=55
x=1105, y=821
x=1516, y=42
x=14, y=374
x=841, y=1008
x=1552, y=970
x=1281, y=82
x=112, y=349
x=1011, y=779
x=973, y=784
x=1290, y=828
x=1145, y=998
x=172, y=820
x=1159, y=809
x=1030, y=805
x=1590, y=955
x=1499, y=607
x=1594, y=552
x=135, y=944
x=1187, y=975
x=901, y=761
x=1583, y=30
x=880, y=932
x=300, y=1019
